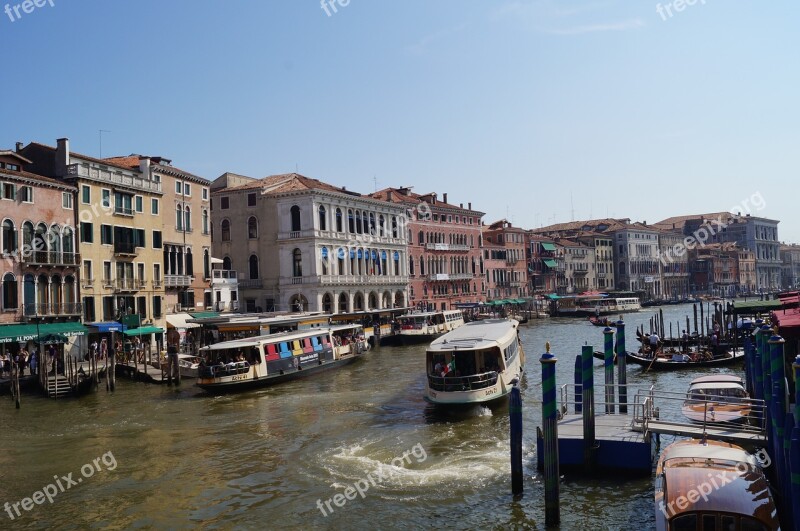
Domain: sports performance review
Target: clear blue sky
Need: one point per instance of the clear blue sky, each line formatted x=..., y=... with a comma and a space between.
x=531, y=108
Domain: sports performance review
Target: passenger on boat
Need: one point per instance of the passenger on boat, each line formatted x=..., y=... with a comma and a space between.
x=677, y=356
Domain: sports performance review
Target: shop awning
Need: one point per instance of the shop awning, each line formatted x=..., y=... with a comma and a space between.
x=178, y=320
x=550, y=263
x=553, y=296
x=217, y=260
x=71, y=329
x=110, y=326
x=144, y=330
x=17, y=333
x=204, y=315
x=548, y=246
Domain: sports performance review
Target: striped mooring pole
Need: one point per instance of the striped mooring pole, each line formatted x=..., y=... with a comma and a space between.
x=552, y=510
x=608, y=360
x=515, y=417
x=622, y=371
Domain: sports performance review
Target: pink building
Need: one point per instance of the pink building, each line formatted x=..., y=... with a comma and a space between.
x=40, y=264
x=506, y=263
x=445, y=266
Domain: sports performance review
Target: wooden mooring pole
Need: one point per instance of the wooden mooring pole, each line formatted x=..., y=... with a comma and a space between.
x=578, y=381
x=515, y=417
x=588, y=409
x=552, y=510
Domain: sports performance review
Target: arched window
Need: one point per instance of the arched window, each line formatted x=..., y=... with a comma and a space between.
x=226, y=263
x=254, y=267
x=206, y=264
x=68, y=244
x=9, y=236
x=351, y=221
x=252, y=228
x=188, y=219
x=54, y=238
x=394, y=226
x=69, y=293
x=295, y=212
x=226, y=230
x=421, y=266
x=327, y=303
x=410, y=265
x=371, y=229
x=323, y=219
x=205, y=221
x=343, y=302
x=297, y=263
x=10, y=298
x=27, y=234
x=339, y=227
x=189, y=262
x=178, y=217
x=359, y=229
x=29, y=295
x=421, y=238
x=381, y=225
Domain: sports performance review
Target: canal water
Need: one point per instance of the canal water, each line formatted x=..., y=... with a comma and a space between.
x=153, y=456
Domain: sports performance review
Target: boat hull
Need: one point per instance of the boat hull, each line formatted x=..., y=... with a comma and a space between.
x=663, y=364
x=236, y=386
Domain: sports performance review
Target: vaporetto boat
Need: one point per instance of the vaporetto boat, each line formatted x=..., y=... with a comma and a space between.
x=266, y=360
x=474, y=364
x=426, y=326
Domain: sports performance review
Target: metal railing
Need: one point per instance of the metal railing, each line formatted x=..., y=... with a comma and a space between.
x=126, y=284
x=227, y=369
x=51, y=258
x=33, y=309
x=79, y=170
x=462, y=383
x=177, y=281
x=124, y=248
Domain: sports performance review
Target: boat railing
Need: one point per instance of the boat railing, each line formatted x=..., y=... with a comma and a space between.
x=472, y=382
x=225, y=369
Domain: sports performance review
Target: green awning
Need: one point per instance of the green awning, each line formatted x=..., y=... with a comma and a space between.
x=518, y=301
x=553, y=296
x=17, y=333
x=144, y=330
x=756, y=306
x=204, y=315
x=71, y=329
x=548, y=247
x=549, y=262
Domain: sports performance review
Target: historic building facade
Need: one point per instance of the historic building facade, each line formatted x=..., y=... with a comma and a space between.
x=513, y=240
x=445, y=266
x=301, y=244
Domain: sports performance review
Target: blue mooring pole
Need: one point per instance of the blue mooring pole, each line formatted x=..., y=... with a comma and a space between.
x=766, y=368
x=515, y=416
x=622, y=371
x=608, y=360
x=552, y=510
x=778, y=410
x=588, y=409
x=578, y=380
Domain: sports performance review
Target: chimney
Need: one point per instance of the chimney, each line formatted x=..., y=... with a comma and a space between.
x=19, y=146
x=469, y=206
x=444, y=197
x=389, y=196
x=144, y=166
x=62, y=156
x=461, y=205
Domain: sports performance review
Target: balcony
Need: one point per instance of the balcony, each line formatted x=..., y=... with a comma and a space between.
x=126, y=285
x=461, y=276
x=343, y=239
x=230, y=306
x=446, y=247
x=580, y=271
x=339, y=280
x=126, y=248
x=158, y=283
x=113, y=177
x=52, y=310
x=439, y=276
x=254, y=283
x=51, y=258
x=177, y=281
x=224, y=277
x=123, y=211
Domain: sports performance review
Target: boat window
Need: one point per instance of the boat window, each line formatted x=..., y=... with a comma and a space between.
x=710, y=521
x=271, y=349
x=284, y=346
x=751, y=524
x=728, y=522
x=686, y=522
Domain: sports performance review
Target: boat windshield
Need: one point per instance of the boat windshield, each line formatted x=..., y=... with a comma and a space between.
x=714, y=393
x=465, y=362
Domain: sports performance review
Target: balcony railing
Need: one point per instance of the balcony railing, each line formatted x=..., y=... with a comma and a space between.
x=439, y=276
x=337, y=280
x=230, y=306
x=51, y=258
x=158, y=283
x=125, y=248
x=224, y=277
x=254, y=283
x=113, y=177
x=177, y=281
x=123, y=211
x=56, y=309
x=446, y=247
x=126, y=284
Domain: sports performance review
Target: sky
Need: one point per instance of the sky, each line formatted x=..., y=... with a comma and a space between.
x=540, y=112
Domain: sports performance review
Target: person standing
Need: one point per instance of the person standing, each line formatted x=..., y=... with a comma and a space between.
x=34, y=363
x=654, y=339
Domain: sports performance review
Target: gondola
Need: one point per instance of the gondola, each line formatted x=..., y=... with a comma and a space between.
x=602, y=357
x=600, y=321
x=666, y=363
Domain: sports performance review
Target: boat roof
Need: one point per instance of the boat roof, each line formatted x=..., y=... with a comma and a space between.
x=714, y=378
x=687, y=464
x=715, y=385
x=428, y=314
x=348, y=326
x=475, y=335
x=270, y=338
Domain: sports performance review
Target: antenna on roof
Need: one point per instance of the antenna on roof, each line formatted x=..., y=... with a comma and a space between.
x=375, y=180
x=572, y=207
x=100, y=135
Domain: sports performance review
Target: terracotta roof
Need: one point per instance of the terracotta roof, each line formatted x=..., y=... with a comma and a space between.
x=609, y=224
x=86, y=157
x=132, y=161
x=288, y=182
x=405, y=195
x=678, y=222
x=35, y=177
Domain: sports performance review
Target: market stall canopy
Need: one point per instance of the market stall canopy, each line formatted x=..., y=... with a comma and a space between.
x=204, y=315
x=110, y=326
x=17, y=333
x=144, y=330
x=70, y=329
x=178, y=320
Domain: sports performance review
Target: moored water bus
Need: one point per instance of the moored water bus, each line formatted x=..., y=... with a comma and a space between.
x=476, y=363
x=426, y=326
x=719, y=398
x=261, y=361
x=712, y=485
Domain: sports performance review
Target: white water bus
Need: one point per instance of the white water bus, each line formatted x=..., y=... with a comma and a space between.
x=474, y=364
x=426, y=326
x=266, y=360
